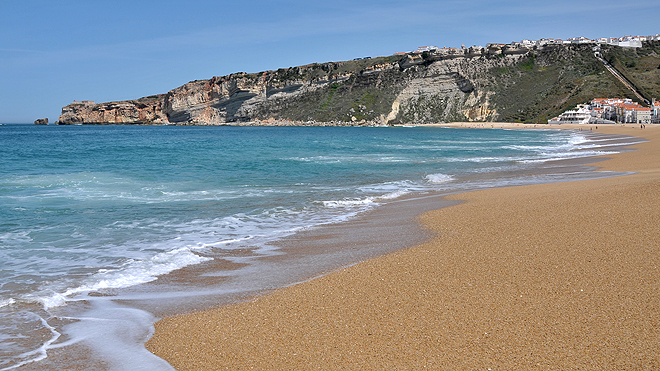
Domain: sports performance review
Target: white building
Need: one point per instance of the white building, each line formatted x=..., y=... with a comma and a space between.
x=429, y=48
x=655, y=106
x=580, y=40
x=583, y=115
x=631, y=43
x=642, y=115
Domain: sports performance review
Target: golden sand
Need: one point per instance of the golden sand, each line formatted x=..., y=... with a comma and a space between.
x=556, y=276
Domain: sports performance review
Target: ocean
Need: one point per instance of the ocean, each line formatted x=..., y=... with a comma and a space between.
x=104, y=229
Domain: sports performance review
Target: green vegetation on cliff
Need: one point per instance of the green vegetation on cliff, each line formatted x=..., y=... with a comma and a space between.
x=641, y=66
x=357, y=93
x=549, y=82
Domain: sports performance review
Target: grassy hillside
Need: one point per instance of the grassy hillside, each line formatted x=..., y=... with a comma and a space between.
x=551, y=81
x=363, y=96
x=641, y=66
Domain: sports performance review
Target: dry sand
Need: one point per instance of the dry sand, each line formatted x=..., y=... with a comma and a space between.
x=556, y=276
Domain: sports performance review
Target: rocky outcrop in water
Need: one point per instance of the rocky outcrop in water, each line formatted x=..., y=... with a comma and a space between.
x=473, y=84
x=41, y=121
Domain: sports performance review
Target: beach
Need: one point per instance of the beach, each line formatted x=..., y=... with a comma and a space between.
x=547, y=276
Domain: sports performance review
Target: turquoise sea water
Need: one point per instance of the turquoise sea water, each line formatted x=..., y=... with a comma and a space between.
x=85, y=209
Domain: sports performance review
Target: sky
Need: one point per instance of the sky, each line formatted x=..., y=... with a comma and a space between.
x=54, y=52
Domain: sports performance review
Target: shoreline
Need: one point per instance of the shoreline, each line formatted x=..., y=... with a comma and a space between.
x=513, y=125
x=349, y=317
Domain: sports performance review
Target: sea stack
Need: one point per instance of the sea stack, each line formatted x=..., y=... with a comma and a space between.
x=41, y=121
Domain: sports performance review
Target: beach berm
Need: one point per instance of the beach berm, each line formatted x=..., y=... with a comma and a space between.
x=549, y=276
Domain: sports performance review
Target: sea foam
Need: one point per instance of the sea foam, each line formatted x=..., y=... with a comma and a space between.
x=133, y=273
x=439, y=178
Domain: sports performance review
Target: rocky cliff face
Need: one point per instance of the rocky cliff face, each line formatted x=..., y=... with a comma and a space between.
x=446, y=85
x=147, y=110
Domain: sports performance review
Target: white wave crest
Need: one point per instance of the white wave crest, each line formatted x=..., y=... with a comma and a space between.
x=393, y=195
x=6, y=302
x=349, y=203
x=576, y=139
x=133, y=273
x=438, y=178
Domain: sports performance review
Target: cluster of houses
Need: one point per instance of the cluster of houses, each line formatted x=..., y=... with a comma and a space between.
x=610, y=110
x=624, y=41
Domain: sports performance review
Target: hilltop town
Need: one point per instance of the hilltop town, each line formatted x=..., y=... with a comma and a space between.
x=624, y=41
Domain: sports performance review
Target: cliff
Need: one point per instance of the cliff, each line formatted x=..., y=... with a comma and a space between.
x=148, y=110
x=502, y=83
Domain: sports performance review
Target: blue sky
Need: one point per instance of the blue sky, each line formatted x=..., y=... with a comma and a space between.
x=53, y=52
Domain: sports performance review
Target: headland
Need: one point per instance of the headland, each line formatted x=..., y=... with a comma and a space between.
x=517, y=82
